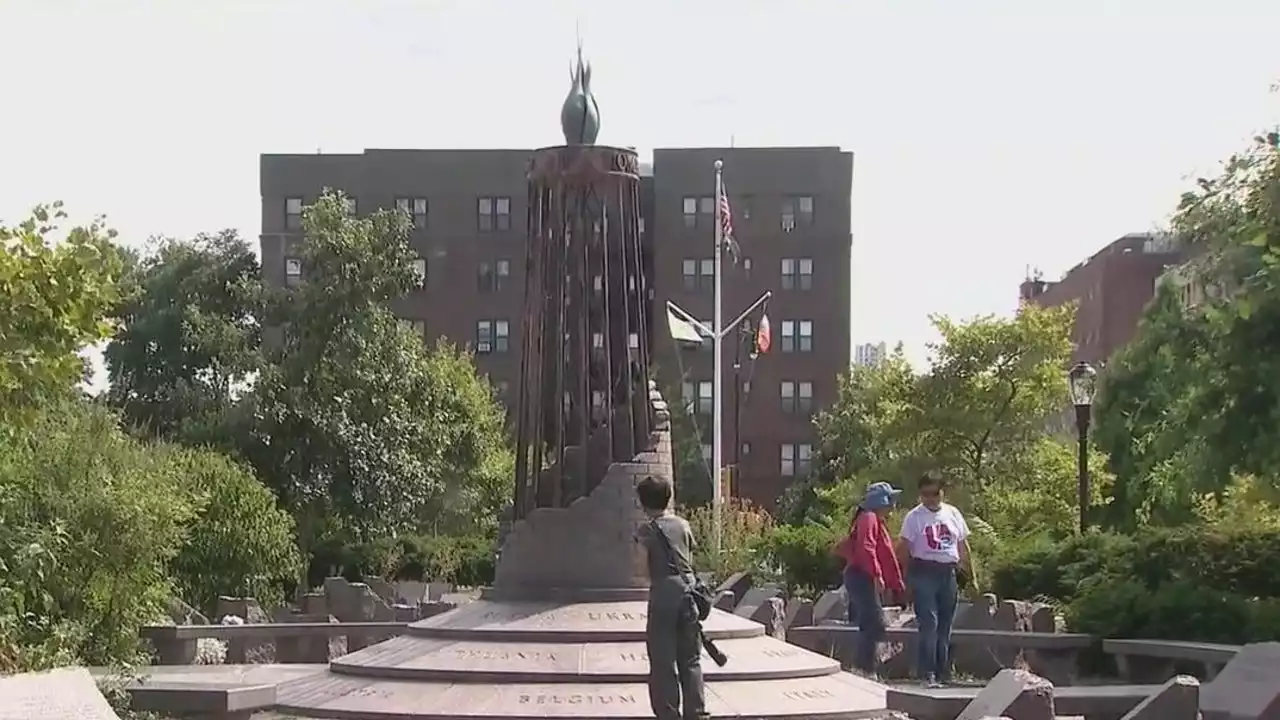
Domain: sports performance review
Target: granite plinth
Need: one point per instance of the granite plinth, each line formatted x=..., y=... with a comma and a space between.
x=541, y=659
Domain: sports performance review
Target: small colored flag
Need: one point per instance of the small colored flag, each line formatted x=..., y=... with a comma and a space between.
x=763, y=335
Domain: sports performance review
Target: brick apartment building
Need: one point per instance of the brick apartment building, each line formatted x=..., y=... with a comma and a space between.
x=791, y=211
x=1111, y=288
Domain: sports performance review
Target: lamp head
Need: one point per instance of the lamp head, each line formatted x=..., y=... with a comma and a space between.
x=1083, y=382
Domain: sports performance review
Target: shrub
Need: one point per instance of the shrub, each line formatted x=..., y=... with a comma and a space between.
x=240, y=542
x=467, y=560
x=1192, y=583
x=89, y=522
x=1043, y=569
x=744, y=528
x=804, y=552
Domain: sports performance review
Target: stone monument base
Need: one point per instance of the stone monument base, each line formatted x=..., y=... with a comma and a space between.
x=517, y=659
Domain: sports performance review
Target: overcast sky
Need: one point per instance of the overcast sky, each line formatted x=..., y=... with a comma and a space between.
x=989, y=135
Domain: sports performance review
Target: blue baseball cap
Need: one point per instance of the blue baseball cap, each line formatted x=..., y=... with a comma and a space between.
x=880, y=495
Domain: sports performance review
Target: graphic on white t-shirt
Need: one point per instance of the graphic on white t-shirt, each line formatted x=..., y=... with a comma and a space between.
x=939, y=537
x=935, y=534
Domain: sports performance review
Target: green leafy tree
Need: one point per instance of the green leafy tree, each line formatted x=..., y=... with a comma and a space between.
x=981, y=413
x=53, y=302
x=353, y=417
x=1194, y=401
x=189, y=339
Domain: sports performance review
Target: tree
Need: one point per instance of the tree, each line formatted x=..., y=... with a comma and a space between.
x=1194, y=401
x=353, y=417
x=53, y=298
x=980, y=413
x=190, y=337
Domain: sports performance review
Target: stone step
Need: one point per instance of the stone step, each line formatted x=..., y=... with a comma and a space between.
x=412, y=658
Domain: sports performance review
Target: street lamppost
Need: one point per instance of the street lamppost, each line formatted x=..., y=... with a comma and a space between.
x=1083, y=380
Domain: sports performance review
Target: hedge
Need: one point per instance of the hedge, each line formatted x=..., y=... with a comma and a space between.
x=1182, y=584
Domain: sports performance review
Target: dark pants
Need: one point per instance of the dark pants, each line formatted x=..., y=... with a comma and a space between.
x=675, y=658
x=866, y=613
x=934, y=592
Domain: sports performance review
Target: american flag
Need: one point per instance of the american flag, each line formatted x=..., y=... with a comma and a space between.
x=726, y=225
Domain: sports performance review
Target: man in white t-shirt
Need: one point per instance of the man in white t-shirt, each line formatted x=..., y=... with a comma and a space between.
x=933, y=543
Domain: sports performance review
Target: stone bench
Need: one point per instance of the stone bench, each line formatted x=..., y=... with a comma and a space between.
x=176, y=644
x=202, y=700
x=1097, y=702
x=1147, y=661
x=1054, y=656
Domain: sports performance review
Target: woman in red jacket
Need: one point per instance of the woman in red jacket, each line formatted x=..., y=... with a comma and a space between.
x=870, y=566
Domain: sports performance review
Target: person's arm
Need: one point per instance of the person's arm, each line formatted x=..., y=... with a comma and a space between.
x=864, y=544
x=966, y=557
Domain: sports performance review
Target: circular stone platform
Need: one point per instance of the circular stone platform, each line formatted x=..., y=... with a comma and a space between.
x=510, y=659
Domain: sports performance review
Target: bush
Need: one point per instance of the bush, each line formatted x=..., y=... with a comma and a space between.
x=89, y=522
x=744, y=528
x=804, y=552
x=1192, y=583
x=240, y=542
x=467, y=560
x=1055, y=570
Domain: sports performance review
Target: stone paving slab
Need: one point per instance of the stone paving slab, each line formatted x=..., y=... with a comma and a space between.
x=65, y=694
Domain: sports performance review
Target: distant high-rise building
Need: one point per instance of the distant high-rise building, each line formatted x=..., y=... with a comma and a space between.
x=1111, y=289
x=868, y=354
x=791, y=217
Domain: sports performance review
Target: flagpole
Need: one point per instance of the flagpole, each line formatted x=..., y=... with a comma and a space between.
x=717, y=397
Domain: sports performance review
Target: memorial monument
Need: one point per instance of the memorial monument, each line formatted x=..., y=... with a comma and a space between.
x=561, y=632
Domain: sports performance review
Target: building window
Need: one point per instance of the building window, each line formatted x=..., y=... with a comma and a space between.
x=633, y=341
x=641, y=221
x=797, y=273
x=797, y=210
x=706, y=397
x=744, y=206
x=708, y=454
x=689, y=270
x=419, y=266
x=797, y=336
x=416, y=208
x=501, y=388
x=797, y=397
x=746, y=267
x=292, y=271
x=494, y=213
x=350, y=205
x=597, y=341
x=687, y=395
x=706, y=274
x=492, y=276
x=804, y=397
x=492, y=336
x=293, y=213
x=695, y=206
x=796, y=459
x=746, y=449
